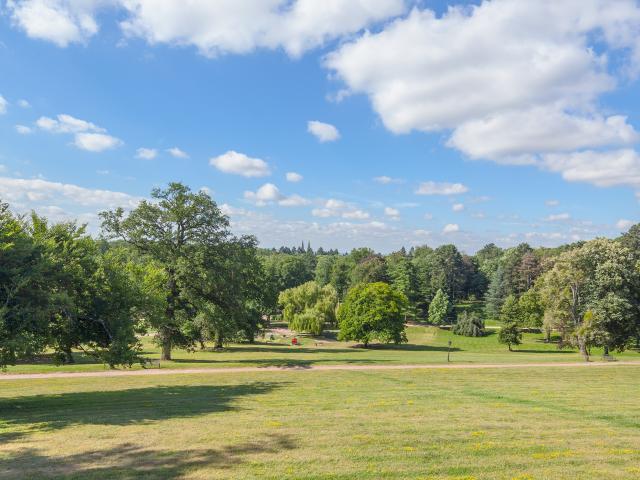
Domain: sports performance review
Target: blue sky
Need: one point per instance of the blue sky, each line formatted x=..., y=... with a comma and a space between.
x=432, y=123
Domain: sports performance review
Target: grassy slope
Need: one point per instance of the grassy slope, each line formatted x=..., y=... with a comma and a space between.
x=465, y=424
x=426, y=345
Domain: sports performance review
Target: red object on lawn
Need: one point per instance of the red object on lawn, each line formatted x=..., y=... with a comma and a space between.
x=294, y=341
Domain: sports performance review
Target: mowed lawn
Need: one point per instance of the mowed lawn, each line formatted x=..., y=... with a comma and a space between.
x=525, y=423
x=426, y=345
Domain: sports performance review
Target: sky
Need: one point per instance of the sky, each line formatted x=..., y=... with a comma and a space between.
x=345, y=123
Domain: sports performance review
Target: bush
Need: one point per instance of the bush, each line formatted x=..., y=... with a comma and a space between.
x=469, y=325
x=510, y=335
x=311, y=320
x=372, y=311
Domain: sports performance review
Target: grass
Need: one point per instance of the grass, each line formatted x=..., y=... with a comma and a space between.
x=426, y=345
x=532, y=423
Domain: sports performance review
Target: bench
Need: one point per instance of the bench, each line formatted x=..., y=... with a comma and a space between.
x=151, y=363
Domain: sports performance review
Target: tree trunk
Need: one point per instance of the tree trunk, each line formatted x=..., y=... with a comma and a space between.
x=202, y=345
x=583, y=349
x=606, y=350
x=510, y=348
x=166, y=345
x=68, y=355
x=219, y=341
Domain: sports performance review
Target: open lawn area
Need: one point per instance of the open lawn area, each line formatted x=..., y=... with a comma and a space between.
x=426, y=345
x=492, y=424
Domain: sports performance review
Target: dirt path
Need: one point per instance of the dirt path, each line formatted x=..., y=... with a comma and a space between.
x=182, y=371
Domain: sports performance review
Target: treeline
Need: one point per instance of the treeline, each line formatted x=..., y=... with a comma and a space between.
x=172, y=268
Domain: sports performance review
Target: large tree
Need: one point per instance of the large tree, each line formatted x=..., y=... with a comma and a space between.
x=372, y=311
x=171, y=228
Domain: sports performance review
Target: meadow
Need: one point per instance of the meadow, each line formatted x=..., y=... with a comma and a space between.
x=426, y=345
x=490, y=424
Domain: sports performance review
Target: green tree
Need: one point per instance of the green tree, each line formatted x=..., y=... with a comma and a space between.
x=324, y=265
x=494, y=298
x=372, y=311
x=439, y=308
x=309, y=306
x=469, y=325
x=510, y=311
x=510, y=335
x=531, y=309
x=171, y=229
x=370, y=269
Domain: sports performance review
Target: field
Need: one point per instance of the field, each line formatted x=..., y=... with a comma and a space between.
x=525, y=423
x=426, y=345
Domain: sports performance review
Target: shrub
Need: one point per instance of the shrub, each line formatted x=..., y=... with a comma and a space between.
x=469, y=325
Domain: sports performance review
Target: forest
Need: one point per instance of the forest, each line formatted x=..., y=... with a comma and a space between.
x=173, y=269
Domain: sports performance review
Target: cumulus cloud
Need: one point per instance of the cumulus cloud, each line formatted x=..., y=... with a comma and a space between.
x=96, y=142
x=3, y=105
x=462, y=72
x=552, y=203
x=229, y=26
x=392, y=213
x=146, y=153
x=240, y=164
x=269, y=193
x=58, y=21
x=457, y=207
x=451, y=228
x=441, y=188
x=324, y=132
x=87, y=135
x=339, y=208
x=293, y=177
x=22, y=103
x=175, y=152
x=356, y=215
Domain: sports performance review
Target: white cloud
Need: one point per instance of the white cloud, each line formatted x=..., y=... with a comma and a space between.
x=96, y=142
x=444, y=188
x=231, y=26
x=463, y=71
x=324, y=132
x=23, y=129
x=457, y=207
x=3, y=105
x=385, y=180
x=393, y=213
x=552, y=203
x=355, y=215
x=58, y=21
x=294, y=201
x=604, y=169
x=559, y=217
x=623, y=224
x=146, y=153
x=451, y=228
x=87, y=136
x=269, y=193
x=240, y=164
x=428, y=216
x=175, y=152
x=22, y=103
x=518, y=136
x=293, y=177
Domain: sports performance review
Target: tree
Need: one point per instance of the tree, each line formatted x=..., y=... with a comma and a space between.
x=372, y=311
x=402, y=275
x=340, y=274
x=324, y=265
x=531, y=309
x=308, y=307
x=469, y=325
x=510, y=311
x=170, y=229
x=24, y=300
x=439, y=308
x=510, y=335
x=495, y=295
x=448, y=271
x=370, y=269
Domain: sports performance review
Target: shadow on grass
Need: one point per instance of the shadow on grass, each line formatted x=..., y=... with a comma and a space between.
x=407, y=347
x=554, y=351
x=130, y=461
x=280, y=362
x=27, y=414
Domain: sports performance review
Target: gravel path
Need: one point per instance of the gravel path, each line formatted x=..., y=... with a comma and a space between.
x=183, y=371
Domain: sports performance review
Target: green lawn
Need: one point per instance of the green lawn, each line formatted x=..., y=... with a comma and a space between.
x=426, y=345
x=529, y=423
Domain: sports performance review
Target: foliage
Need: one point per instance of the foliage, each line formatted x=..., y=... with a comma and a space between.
x=372, y=311
x=469, y=325
x=439, y=308
x=510, y=335
x=308, y=307
x=530, y=309
x=510, y=311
